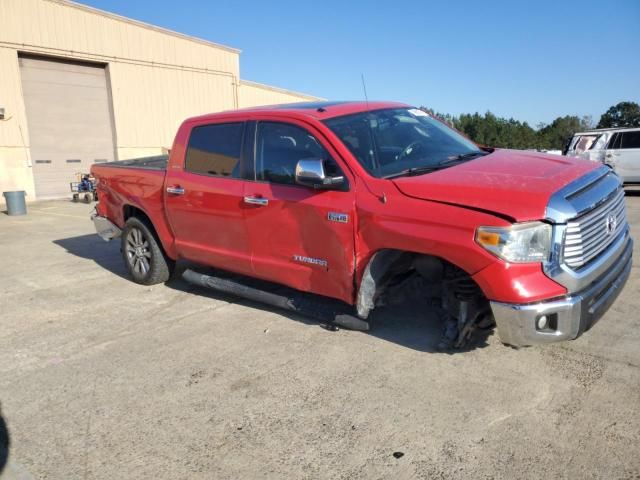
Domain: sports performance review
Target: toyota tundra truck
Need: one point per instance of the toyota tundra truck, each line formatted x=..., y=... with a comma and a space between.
x=339, y=203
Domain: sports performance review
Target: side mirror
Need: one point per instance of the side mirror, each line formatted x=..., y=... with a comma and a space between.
x=311, y=173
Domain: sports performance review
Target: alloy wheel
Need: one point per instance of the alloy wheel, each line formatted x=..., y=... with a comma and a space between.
x=137, y=250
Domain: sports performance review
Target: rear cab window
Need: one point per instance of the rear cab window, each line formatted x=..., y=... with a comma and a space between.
x=215, y=150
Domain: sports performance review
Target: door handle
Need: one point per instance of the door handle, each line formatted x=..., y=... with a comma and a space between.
x=175, y=190
x=262, y=202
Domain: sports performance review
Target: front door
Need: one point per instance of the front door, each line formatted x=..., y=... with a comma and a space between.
x=204, y=200
x=300, y=237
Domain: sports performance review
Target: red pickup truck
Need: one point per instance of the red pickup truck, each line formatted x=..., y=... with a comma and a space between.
x=348, y=200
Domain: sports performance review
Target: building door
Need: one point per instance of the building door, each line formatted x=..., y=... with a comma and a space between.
x=69, y=121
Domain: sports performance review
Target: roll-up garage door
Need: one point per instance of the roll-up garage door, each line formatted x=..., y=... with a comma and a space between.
x=69, y=120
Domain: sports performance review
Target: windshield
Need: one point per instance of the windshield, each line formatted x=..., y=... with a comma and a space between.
x=399, y=141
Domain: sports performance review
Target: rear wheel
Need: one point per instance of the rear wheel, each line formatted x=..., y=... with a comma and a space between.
x=143, y=255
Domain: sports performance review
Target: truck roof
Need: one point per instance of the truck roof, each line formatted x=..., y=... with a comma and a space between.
x=602, y=130
x=320, y=110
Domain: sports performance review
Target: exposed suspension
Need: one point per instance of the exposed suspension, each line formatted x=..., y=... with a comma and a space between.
x=464, y=306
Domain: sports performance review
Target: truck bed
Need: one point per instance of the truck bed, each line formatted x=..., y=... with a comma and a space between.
x=156, y=162
x=136, y=183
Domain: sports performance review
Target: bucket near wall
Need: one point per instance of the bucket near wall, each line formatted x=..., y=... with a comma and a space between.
x=16, y=204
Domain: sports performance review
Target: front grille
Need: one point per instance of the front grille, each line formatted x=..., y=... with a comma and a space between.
x=588, y=235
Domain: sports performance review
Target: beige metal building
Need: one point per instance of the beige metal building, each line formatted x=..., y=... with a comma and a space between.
x=80, y=85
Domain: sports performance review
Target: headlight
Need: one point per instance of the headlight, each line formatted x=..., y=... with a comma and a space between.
x=519, y=243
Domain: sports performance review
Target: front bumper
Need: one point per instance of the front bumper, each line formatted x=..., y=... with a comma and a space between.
x=568, y=316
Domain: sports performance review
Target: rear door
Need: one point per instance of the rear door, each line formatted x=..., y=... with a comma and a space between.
x=204, y=198
x=300, y=237
x=627, y=157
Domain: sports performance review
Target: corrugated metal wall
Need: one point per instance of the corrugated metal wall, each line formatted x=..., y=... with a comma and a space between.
x=65, y=27
x=157, y=78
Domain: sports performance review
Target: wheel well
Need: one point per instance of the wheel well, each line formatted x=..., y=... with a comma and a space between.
x=129, y=211
x=389, y=269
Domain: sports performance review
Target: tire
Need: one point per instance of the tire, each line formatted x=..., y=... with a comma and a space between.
x=88, y=197
x=142, y=254
x=75, y=197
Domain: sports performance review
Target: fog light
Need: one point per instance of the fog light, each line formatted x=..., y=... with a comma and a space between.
x=543, y=322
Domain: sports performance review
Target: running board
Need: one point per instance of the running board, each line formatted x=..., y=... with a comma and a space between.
x=327, y=311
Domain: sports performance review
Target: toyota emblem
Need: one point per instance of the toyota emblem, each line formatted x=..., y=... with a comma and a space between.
x=611, y=224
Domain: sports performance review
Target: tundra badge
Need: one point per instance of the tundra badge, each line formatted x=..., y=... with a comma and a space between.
x=313, y=261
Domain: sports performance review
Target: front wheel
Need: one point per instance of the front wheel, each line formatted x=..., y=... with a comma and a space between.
x=143, y=255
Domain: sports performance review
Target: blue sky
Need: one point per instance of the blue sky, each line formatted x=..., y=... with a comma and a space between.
x=532, y=60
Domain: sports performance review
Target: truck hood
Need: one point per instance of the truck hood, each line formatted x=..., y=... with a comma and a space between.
x=510, y=183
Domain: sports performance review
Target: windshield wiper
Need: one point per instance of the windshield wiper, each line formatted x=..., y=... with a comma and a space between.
x=440, y=165
x=412, y=171
x=461, y=157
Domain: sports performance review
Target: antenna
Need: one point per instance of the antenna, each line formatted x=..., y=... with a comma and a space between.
x=364, y=88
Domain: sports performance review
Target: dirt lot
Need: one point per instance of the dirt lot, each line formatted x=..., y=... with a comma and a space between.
x=102, y=378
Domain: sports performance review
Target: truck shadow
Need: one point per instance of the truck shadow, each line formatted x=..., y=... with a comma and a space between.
x=92, y=247
x=419, y=328
x=412, y=325
x=178, y=283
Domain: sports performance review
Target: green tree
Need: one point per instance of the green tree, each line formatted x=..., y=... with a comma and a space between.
x=555, y=135
x=494, y=131
x=624, y=114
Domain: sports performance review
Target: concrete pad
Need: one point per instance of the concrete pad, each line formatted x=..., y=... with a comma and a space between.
x=103, y=378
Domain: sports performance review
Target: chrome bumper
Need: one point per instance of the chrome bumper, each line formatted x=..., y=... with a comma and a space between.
x=568, y=316
x=105, y=228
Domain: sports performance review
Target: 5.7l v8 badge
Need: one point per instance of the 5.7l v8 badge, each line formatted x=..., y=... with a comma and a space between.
x=338, y=217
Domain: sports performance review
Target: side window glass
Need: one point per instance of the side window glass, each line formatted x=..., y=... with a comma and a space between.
x=585, y=142
x=614, y=142
x=597, y=143
x=280, y=146
x=630, y=140
x=215, y=150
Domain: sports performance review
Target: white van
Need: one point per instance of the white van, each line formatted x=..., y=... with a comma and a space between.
x=617, y=147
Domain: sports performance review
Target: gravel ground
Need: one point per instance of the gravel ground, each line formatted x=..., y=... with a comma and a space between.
x=102, y=378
